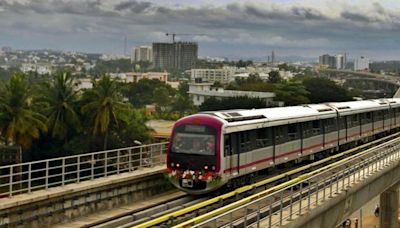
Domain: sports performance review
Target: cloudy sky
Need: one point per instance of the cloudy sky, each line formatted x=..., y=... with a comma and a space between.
x=231, y=28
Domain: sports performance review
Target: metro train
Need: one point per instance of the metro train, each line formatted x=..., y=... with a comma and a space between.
x=213, y=149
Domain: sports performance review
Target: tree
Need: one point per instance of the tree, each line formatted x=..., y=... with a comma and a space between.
x=292, y=93
x=19, y=122
x=161, y=98
x=274, y=77
x=60, y=96
x=324, y=90
x=213, y=104
x=103, y=102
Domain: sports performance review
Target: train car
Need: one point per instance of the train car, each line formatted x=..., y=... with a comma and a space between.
x=209, y=150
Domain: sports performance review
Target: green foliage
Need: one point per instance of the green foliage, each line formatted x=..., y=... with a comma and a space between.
x=274, y=77
x=213, y=104
x=141, y=93
x=292, y=93
x=252, y=83
x=60, y=98
x=324, y=90
x=242, y=63
x=20, y=122
x=102, y=104
x=287, y=67
x=112, y=66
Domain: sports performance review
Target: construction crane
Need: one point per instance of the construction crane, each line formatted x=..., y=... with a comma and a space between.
x=182, y=34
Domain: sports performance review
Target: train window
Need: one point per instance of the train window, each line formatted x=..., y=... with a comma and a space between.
x=227, y=145
x=293, y=131
x=280, y=134
x=244, y=142
x=385, y=114
x=194, y=139
x=342, y=122
x=264, y=137
x=366, y=118
x=316, y=127
x=329, y=125
x=354, y=120
x=378, y=115
x=307, y=130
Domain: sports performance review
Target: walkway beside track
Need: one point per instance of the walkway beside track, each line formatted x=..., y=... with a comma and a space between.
x=64, y=203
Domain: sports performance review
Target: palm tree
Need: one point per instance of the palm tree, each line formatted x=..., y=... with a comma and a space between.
x=20, y=123
x=103, y=102
x=60, y=97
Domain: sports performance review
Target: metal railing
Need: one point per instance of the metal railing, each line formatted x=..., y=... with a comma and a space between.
x=31, y=176
x=287, y=203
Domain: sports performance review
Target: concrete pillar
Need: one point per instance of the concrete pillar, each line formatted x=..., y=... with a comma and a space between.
x=389, y=208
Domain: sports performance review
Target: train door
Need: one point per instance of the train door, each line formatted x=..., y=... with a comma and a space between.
x=232, y=154
x=244, y=147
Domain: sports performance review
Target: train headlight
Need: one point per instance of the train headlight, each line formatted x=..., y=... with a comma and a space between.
x=213, y=167
x=205, y=167
x=178, y=165
x=172, y=164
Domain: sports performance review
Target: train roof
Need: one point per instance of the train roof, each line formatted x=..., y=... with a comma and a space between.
x=278, y=115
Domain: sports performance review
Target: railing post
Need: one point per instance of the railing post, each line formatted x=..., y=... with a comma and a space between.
x=29, y=177
x=10, y=190
x=78, y=169
x=63, y=172
x=140, y=156
x=270, y=214
x=258, y=214
x=47, y=175
x=291, y=204
x=130, y=160
x=301, y=198
x=92, y=163
x=118, y=160
x=280, y=211
x=105, y=163
x=309, y=195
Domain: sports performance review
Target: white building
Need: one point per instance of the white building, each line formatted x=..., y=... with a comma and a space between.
x=137, y=76
x=339, y=62
x=224, y=75
x=202, y=91
x=142, y=53
x=361, y=64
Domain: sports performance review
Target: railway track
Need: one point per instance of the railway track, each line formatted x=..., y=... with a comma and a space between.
x=186, y=208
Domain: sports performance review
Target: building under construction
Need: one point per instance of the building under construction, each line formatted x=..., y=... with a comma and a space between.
x=175, y=56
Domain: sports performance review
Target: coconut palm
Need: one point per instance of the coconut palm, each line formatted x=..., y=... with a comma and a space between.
x=60, y=97
x=20, y=123
x=103, y=103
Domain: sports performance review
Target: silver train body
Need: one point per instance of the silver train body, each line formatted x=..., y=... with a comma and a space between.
x=247, y=141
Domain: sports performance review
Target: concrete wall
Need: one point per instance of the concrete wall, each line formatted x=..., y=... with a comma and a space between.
x=86, y=198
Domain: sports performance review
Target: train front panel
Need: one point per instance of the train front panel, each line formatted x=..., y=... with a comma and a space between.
x=194, y=154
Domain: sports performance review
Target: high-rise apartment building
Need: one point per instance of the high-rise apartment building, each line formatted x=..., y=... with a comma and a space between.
x=339, y=62
x=361, y=64
x=142, y=53
x=177, y=55
x=333, y=62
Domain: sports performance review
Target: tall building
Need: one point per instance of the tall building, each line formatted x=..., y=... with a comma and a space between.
x=361, y=64
x=177, y=55
x=339, y=62
x=142, y=53
x=333, y=62
x=273, y=57
x=328, y=60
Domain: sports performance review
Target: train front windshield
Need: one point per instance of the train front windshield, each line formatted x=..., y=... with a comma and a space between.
x=194, y=139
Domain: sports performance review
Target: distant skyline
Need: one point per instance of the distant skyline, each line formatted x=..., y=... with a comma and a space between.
x=233, y=29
